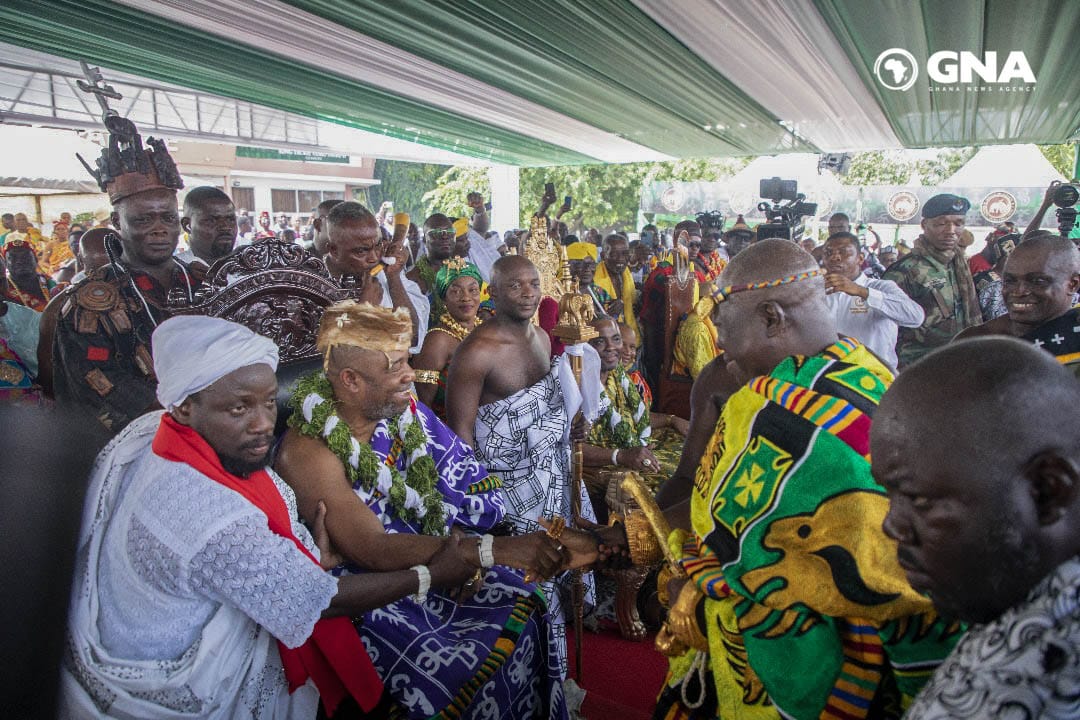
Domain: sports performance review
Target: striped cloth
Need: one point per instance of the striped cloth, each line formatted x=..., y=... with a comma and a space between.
x=808, y=613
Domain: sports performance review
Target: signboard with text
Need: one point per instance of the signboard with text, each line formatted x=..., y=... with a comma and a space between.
x=301, y=155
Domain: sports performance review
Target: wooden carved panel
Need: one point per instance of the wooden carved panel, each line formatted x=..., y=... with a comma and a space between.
x=276, y=289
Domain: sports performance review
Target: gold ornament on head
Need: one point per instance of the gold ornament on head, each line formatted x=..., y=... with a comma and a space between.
x=364, y=326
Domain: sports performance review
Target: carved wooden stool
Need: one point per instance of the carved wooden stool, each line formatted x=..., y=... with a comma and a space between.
x=628, y=581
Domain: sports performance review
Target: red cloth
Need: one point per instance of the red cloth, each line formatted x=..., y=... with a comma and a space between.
x=334, y=656
x=548, y=318
x=978, y=264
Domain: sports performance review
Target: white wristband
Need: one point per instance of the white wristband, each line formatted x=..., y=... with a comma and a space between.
x=487, y=551
x=423, y=578
x=615, y=456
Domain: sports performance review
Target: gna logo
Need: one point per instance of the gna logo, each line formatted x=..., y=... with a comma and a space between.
x=897, y=69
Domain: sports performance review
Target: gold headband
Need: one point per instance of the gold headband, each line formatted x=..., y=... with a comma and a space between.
x=365, y=326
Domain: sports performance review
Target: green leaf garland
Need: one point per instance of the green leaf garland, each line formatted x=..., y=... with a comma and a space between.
x=314, y=412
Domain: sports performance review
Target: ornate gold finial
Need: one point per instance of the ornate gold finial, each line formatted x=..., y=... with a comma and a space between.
x=543, y=252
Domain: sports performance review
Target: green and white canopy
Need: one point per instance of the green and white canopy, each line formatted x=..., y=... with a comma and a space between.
x=544, y=82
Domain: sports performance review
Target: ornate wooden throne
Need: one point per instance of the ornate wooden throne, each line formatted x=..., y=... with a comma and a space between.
x=277, y=290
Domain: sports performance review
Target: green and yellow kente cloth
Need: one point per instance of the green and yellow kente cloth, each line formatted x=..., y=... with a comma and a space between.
x=808, y=613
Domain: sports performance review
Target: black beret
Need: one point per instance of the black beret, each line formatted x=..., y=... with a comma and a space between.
x=945, y=204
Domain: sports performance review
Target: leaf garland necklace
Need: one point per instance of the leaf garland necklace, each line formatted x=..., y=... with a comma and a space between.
x=416, y=496
x=622, y=430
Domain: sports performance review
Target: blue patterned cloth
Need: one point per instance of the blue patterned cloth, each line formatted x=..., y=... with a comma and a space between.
x=493, y=655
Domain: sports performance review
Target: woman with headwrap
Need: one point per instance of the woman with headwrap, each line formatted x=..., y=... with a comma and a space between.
x=457, y=284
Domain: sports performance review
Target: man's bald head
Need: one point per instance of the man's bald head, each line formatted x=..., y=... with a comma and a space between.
x=758, y=328
x=1061, y=252
x=508, y=265
x=514, y=288
x=767, y=260
x=1039, y=280
x=978, y=446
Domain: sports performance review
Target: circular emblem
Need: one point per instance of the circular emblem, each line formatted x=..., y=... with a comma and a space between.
x=742, y=202
x=903, y=205
x=896, y=69
x=998, y=206
x=673, y=198
x=97, y=296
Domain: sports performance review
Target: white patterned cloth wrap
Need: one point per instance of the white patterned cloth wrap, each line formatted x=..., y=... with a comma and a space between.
x=180, y=589
x=521, y=440
x=1025, y=664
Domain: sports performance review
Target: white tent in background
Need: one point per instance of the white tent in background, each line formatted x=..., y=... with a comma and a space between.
x=796, y=166
x=1010, y=165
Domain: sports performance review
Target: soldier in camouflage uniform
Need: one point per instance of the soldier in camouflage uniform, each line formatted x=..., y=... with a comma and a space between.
x=936, y=275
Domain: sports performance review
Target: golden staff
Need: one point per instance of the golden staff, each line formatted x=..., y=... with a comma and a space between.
x=575, y=316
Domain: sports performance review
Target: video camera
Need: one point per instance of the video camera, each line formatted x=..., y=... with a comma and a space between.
x=1066, y=197
x=783, y=221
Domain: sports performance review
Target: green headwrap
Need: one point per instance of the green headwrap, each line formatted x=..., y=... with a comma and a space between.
x=451, y=270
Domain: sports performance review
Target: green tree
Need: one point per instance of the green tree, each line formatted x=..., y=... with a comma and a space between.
x=878, y=167
x=404, y=184
x=1062, y=157
x=936, y=171
x=690, y=169
x=604, y=196
x=450, y=190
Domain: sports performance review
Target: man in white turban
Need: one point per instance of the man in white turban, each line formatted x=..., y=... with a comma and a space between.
x=197, y=591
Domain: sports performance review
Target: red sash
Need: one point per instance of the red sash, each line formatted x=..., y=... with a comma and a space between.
x=334, y=656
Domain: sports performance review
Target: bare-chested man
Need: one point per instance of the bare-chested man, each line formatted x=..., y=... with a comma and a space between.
x=504, y=398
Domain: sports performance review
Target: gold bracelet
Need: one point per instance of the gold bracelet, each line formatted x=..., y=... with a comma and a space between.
x=429, y=377
x=641, y=540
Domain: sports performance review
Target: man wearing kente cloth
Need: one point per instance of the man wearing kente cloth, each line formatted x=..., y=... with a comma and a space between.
x=695, y=340
x=505, y=399
x=614, y=277
x=395, y=481
x=197, y=592
x=654, y=299
x=936, y=275
x=807, y=613
x=1041, y=278
x=101, y=346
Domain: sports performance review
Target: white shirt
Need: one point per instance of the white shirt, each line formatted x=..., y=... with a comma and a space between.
x=419, y=302
x=874, y=321
x=180, y=589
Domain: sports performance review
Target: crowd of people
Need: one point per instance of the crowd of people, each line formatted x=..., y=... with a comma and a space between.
x=872, y=515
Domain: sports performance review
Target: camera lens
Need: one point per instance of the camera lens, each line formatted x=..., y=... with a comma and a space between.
x=1066, y=196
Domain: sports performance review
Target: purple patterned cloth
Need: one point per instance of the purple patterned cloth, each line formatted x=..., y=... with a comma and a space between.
x=493, y=654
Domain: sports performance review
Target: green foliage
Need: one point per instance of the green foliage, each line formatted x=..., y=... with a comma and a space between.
x=608, y=196
x=403, y=183
x=936, y=171
x=878, y=167
x=705, y=169
x=1062, y=157
x=449, y=191
x=605, y=196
